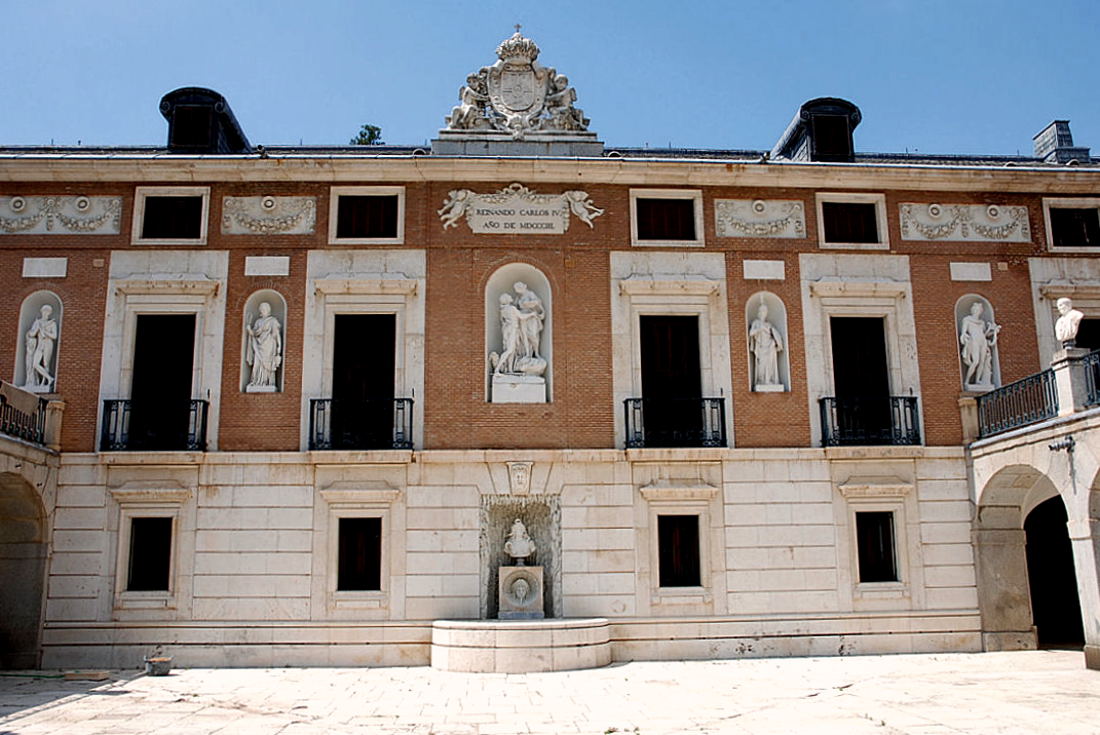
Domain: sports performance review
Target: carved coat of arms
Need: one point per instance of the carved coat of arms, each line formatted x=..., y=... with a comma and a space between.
x=517, y=95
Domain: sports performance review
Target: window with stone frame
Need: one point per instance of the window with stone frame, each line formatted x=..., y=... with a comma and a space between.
x=666, y=217
x=854, y=221
x=171, y=215
x=359, y=554
x=678, y=550
x=875, y=546
x=367, y=214
x=149, y=568
x=1074, y=227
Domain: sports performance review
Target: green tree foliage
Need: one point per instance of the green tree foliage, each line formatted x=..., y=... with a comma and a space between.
x=368, y=135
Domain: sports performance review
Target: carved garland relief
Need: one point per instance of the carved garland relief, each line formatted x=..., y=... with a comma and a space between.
x=60, y=215
x=268, y=215
x=759, y=218
x=967, y=222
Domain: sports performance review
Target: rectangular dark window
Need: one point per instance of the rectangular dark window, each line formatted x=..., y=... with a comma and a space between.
x=678, y=550
x=849, y=222
x=150, y=554
x=832, y=139
x=1075, y=228
x=875, y=542
x=363, y=217
x=360, y=552
x=192, y=126
x=665, y=219
x=172, y=218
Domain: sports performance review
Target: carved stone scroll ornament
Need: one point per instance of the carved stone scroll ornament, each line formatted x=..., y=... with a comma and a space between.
x=516, y=209
x=759, y=218
x=60, y=215
x=268, y=215
x=517, y=95
x=965, y=222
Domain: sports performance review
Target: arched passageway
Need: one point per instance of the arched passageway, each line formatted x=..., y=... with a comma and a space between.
x=1055, y=606
x=22, y=572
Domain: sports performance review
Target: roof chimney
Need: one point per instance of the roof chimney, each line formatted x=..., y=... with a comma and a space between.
x=201, y=121
x=821, y=131
x=1054, y=144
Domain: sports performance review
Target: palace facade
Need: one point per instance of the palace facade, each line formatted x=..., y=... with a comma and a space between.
x=285, y=403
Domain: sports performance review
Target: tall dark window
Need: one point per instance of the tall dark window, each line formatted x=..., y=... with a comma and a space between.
x=850, y=222
x=362, y=217
x=359, y=566
x=678, y=550
x=875, y=542
x=172, y=218
x=150, y=554
x=665, y=219
x=1074, y=228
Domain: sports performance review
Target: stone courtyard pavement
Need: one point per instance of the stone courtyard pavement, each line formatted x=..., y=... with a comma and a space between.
x=1022, y=692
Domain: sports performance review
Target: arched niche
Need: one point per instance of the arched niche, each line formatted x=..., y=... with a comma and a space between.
x=969, y=334
x=36, y=354
x=260, y=345
x=759, y=338
x=517, y=388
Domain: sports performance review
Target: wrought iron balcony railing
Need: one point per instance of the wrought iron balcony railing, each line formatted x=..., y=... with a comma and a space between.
x=381, y=423
x=1091, y=365
x=869, y=420
x=675, y=422
x=163, y=425
x=29, y=426
x=1027, y=401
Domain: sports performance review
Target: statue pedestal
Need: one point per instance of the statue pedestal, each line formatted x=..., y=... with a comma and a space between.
x=259, y=389
x=518, y=389
x=979, y=387
x=769, y=388
x=520, y=593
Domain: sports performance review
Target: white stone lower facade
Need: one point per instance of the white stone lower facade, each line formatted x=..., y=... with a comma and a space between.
x=254, y=557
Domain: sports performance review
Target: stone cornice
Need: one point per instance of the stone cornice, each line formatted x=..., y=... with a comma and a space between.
x=617, y=171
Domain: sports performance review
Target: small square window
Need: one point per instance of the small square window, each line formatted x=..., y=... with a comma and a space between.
x=849, y=222
x=1075, y=227
x=678, y=550
x=150, y=558
x=360, y=217
x=359, y=562
x=367, y=214
x=852, y=221
x=832, y=138
x=666, y=217
x=170, y=216
x=875, y=546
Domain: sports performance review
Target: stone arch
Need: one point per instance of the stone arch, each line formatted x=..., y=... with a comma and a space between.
x=502, y=281
x=275, y=300
x=28, y=313
x=23, y=554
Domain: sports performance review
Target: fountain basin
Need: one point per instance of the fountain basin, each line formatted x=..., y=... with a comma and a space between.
x=520, y=646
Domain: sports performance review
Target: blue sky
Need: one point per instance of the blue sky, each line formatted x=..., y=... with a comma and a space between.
x=937, y=76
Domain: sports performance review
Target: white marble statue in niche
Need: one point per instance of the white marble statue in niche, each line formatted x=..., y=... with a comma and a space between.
x=766, y=343
x=265, y=351
x=1065, y=329
x=978, y=338
x=520, y=367
x=41, y=339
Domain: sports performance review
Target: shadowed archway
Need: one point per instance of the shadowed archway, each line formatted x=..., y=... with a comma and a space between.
x=22, y=572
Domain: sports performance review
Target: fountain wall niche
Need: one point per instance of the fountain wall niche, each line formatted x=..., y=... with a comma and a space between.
x=542, y=518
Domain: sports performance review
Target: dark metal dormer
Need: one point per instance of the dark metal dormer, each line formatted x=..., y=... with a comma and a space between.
x=821, y=131
x=201, y=121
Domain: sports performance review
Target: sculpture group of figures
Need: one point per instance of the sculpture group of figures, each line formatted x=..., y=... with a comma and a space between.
x=265, y=350
x=521, y=323
x=517, y=95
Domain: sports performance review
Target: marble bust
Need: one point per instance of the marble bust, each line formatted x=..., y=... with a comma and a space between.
x=519, y=545
x=1065, y=328
x=766, y=343
x=40, y=339
x=265, y=351
x=978, y=338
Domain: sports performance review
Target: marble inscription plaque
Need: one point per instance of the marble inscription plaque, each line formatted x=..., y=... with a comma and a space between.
x=517, y=210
